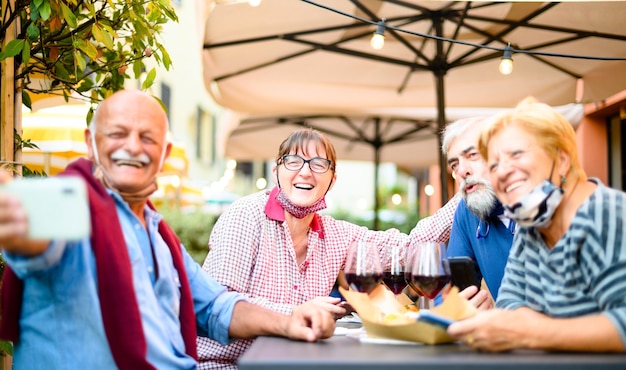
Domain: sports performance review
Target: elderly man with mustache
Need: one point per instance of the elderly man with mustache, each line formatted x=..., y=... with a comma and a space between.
x=129, y=296
x=479, y=230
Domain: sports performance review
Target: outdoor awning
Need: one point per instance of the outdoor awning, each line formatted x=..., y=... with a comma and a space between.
x=289, y=58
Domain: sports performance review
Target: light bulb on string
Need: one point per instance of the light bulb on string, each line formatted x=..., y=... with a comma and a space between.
x=254, y=3
x=506, y=63
x=378, y=37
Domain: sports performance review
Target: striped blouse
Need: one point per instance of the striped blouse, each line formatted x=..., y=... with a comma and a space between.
x=585, y=272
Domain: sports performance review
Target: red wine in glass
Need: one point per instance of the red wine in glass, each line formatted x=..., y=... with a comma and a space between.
x=363, y=271
x=430, y=271
x=363, y=283
x=394, y=281
x=429, y=286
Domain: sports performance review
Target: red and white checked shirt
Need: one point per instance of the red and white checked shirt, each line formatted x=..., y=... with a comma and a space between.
x=251, y=252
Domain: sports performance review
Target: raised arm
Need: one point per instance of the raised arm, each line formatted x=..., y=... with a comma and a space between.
x=437, y=227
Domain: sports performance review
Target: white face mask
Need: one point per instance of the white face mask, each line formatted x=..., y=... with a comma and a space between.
x=537, y=207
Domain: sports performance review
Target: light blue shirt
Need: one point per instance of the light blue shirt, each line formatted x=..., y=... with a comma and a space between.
x=61, y=323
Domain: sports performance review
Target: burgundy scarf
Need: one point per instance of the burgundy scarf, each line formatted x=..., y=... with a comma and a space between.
x=120, y=313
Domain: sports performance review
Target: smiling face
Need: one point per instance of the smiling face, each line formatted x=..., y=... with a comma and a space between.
x=130, y=139
x=517, y=164
x=304, y=187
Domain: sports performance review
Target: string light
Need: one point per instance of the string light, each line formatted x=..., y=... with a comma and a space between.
x=378, y=37
x=460, y=42
x=506, y=63
x=254, y=3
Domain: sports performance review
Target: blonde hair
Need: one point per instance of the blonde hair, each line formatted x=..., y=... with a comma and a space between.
x=299, y=140
x=551, y=130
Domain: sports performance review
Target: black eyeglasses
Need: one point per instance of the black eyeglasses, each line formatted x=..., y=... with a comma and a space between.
x=294, y=162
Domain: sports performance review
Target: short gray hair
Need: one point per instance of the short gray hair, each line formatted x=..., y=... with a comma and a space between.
x=457, y=128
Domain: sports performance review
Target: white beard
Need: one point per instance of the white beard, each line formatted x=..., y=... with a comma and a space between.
x=483, y=200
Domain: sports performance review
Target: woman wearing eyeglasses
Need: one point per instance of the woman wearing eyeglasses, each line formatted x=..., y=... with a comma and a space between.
x=276, y=249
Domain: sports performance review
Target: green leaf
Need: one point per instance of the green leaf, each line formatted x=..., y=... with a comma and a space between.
x=26, y=100
x=34, y=12
x=102, y=36
x=32, y=31
x=69, y=16
x=88, y=48
x=167, y=61
x=37, y=3
x=26, y=54
x=13, y=48
x=81, y=63
x=85, y=85
x=45, y=10
x=149, y=79
x=6, y=347
x=138, y=67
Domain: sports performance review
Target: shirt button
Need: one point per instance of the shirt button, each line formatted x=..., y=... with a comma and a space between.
x=150, y=269
x=137, y=226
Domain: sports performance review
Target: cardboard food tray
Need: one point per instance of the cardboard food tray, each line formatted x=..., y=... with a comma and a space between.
x=383, y=315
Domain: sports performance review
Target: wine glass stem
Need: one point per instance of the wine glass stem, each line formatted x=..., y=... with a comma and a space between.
x=425, y=303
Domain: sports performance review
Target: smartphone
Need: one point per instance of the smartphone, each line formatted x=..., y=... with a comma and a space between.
x=56, y=207
x=463, y=272
x=434, y=319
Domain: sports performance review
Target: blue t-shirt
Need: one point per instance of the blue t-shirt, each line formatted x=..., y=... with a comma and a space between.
x=488, y=245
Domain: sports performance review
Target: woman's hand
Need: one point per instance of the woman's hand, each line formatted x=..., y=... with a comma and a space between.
x=330, y=304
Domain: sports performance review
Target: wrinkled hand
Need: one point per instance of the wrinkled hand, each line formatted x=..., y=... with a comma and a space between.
x=330, y=304
x=14, y=224
x=478, y=298
x=310, y=322
x=498, y=330
x=13, y=220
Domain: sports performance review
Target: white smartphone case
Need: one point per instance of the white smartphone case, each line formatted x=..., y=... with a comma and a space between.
x=57, y=207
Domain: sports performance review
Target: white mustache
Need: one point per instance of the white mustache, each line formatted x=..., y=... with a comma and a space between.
x=472, y=180
x=123, y=155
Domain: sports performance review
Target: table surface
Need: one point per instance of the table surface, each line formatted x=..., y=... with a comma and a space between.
x=345, y=352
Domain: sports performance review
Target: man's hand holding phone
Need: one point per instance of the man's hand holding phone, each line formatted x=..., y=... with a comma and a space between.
x=35, y=211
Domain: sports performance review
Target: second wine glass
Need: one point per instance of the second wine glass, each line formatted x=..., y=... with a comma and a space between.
x=393, y=275
x=363, y=269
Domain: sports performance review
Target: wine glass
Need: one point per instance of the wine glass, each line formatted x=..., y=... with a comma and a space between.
x=393, y=275
x=430, y=271
x=363, y=270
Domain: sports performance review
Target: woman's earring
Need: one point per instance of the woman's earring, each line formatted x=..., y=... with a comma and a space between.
x=563, y=180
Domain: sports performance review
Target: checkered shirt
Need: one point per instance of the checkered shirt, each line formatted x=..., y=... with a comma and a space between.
x=253, y=254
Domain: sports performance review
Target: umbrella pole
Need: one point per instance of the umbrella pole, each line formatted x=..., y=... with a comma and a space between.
x=377, y=146
x=440, y=71
x=441, y=125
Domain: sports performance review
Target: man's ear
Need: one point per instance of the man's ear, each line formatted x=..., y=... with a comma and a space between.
x=90, y=145
x=168, y=150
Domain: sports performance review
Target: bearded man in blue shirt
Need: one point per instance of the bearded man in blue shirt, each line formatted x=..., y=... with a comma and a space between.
x=129, y=296
x=479, y=230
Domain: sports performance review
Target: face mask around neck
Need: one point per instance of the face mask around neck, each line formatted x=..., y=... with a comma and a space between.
x=537, y=207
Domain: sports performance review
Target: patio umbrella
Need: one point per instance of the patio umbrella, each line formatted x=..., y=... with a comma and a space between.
x=58, y=133
x=288, y=57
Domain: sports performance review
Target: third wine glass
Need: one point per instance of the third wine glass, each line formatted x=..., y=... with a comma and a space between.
x=430, y=271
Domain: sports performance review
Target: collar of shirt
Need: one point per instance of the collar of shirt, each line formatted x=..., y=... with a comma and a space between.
x=275, y=211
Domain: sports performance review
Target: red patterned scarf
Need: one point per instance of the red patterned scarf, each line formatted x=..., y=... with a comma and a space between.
x=120, y=313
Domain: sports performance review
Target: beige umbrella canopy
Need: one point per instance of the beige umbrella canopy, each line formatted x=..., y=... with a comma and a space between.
x=288, y=57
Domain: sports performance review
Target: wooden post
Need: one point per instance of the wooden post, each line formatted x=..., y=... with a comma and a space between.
x=7, y=112
x=7, y=92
